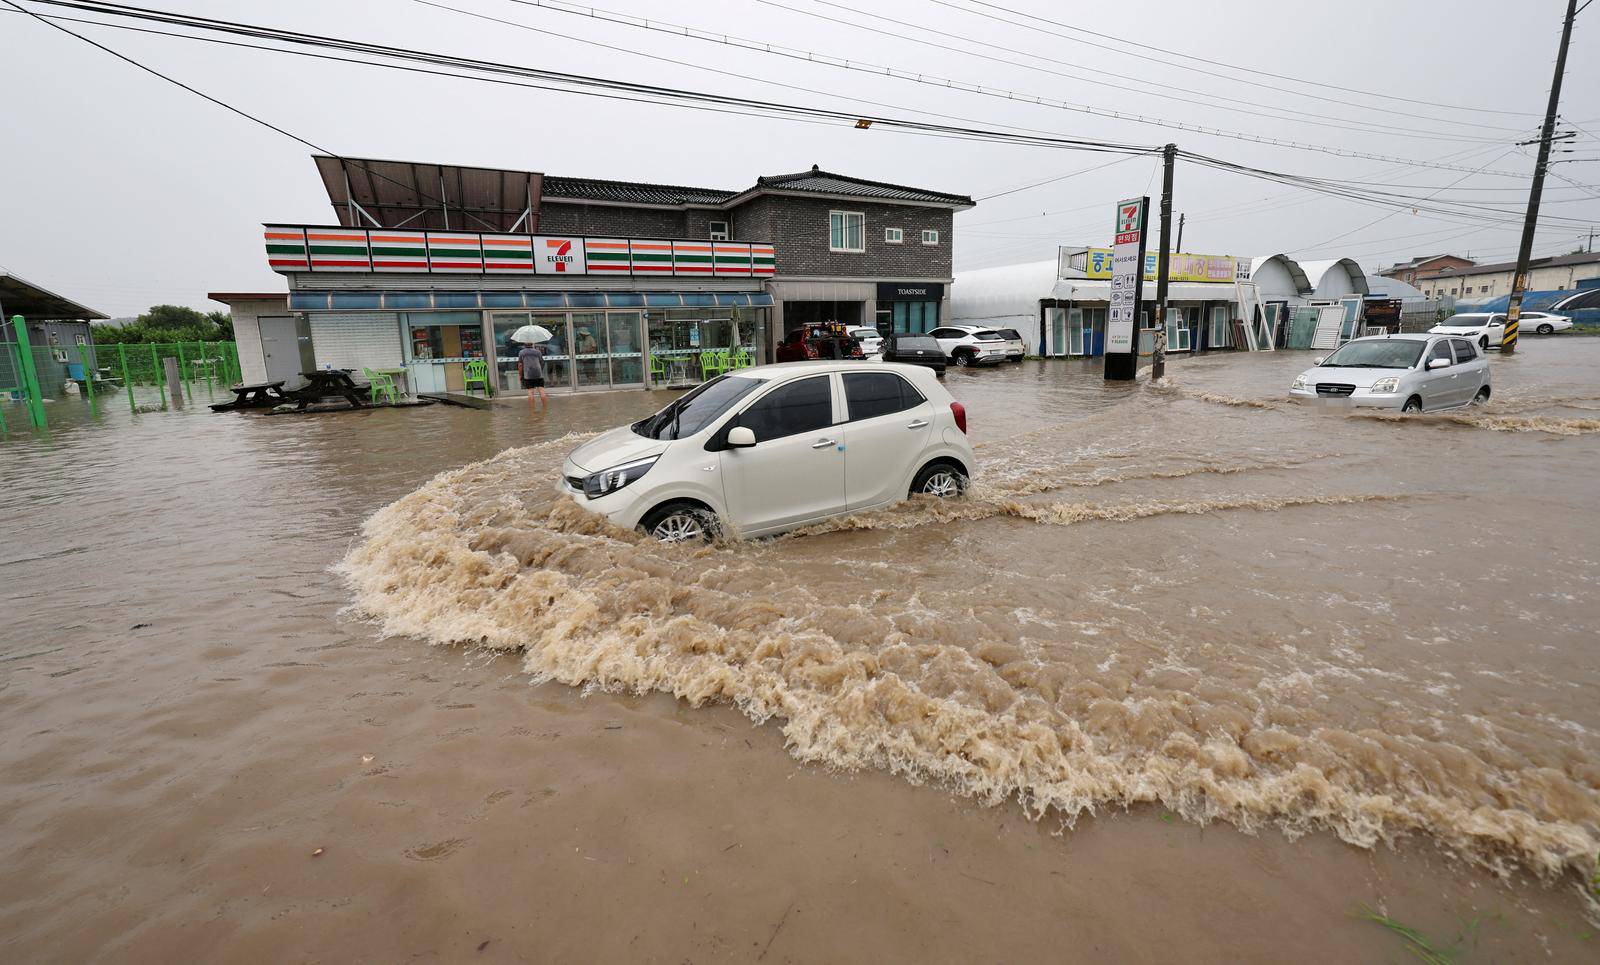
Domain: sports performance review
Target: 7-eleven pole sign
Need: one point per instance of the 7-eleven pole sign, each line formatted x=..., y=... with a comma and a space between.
x=1127, y=276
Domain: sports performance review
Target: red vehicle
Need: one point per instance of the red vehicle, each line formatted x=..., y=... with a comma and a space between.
x=818, y=341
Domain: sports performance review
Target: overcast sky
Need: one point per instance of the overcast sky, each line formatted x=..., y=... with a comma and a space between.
x=121, y=190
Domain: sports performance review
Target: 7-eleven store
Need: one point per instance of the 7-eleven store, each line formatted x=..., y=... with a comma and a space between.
x=625, y=312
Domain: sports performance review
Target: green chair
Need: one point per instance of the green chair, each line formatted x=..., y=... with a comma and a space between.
x=740, y=359
x=477, y=374
x=380, y=384
x=658, y=369
x=713, y=361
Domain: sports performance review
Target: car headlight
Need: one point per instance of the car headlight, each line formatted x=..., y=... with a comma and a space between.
x=1382, y=386
x=608, y=481
x=1299, y=384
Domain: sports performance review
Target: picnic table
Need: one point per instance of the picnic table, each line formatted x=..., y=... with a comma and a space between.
x=326, y=384
x=261, y=395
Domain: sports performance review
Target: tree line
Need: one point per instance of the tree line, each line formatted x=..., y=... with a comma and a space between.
x=169, y=323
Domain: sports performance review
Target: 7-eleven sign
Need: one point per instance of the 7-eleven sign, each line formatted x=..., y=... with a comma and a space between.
x=559, y=256
x=1130, y=216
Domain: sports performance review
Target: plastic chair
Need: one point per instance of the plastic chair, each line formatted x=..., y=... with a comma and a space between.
x=713, y=362
x=658, y=369
x=477, y=374
x=741, y=359
x=380, y=384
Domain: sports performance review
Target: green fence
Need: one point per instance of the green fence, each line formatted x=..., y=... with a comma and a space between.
x=99, y=372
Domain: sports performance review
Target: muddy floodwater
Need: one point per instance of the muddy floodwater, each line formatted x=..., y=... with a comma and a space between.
x=1192, y=673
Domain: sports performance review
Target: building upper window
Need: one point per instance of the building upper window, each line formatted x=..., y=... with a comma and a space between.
x=929, y=236
x=719, y=230
x=847, y=231
x=894, y=236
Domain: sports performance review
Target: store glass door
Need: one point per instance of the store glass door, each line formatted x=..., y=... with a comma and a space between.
x=589, y=351
x=557, y=351
x=626, y=351
x=1058, y=332
x=1075, y=332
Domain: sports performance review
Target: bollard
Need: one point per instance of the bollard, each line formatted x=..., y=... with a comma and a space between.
x=174, y=380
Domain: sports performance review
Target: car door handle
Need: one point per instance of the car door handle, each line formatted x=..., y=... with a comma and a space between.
x=822, y=444
x=919, y=424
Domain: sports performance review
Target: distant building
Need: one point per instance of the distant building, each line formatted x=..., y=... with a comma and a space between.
x=1425, y=266
x=56, y=326
x=1558, y=273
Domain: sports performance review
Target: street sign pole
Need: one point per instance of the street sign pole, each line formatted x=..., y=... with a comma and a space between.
x=1127, y=290
x=1158, y=358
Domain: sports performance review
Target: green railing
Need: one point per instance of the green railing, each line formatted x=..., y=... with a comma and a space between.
x=101, y=370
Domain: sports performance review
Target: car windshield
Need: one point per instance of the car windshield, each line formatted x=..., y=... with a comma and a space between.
x=693, y=412
x=1396, y=353
x=915, y=343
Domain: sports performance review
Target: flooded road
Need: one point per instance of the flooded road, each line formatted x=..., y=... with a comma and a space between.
x=1191, y=672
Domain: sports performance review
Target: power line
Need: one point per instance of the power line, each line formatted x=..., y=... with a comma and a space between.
x=682, y=31
x=1125, y=43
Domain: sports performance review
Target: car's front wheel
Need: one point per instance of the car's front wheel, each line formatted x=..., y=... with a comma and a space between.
x=680, y=523
x=1413, y=404
x=940, y=479
x=1483, y=343
x=1481, y=397
x=1546, y=329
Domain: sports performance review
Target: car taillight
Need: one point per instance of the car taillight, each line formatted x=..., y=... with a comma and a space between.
x=960, y=412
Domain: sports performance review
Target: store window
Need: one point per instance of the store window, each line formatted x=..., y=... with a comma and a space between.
x=894, y=236
x=847, y=231
x=438, y=346
x=1221, y=327
x=689, y=345
x=915, y=318
x=719, y=231
x=930, y=237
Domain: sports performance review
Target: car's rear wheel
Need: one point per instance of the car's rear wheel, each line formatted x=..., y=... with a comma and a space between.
x=940, y=479
x=680, y=523
x=1413, y=404
x=963, y=359
x=1546, y=329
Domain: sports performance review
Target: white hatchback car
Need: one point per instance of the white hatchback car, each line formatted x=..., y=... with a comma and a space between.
x=871, y=341
x=774, y=447
x=1406, y=372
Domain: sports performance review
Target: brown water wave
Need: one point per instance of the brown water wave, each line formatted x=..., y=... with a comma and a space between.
x=1065, y=714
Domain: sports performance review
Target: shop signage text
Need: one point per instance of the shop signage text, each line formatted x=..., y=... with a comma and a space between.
x=896, y=291
x=1204, y=268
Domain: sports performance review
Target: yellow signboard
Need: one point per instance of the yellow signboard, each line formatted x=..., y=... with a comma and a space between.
x=1211, y=268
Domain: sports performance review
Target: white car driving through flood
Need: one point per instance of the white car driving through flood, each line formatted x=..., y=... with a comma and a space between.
x=1485, y=329
x=1412, y=373
x=775, y=447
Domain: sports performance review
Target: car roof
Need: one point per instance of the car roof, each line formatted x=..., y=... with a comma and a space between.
x=1397, y=337
x=784, y=371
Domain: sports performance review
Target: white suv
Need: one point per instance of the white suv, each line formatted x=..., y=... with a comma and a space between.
x=771, y=448
x=972, y=344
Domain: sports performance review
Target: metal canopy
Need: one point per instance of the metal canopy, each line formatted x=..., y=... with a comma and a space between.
x=406, y=194
x=19, y=297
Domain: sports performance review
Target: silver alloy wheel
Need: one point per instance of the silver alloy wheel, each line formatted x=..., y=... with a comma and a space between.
x=680, y=527
x=943, y=484
x=1546, y=329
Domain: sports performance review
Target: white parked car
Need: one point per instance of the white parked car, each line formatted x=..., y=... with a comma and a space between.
x=1485, y=329
x=1016, y=348
x=1411, y=373
x=1544, y=323
x=774, y=447
x=871, y=341
x=971, y=344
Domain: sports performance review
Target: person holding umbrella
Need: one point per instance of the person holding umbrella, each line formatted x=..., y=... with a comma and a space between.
x=530, y=361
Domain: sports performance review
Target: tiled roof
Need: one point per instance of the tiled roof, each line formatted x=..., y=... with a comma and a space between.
x=1557, y=261
x=631, y=192
x=824, y=182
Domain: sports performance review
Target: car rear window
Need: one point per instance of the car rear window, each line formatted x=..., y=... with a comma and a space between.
x=986, y=335
x=913, y=343
x=1010, y=333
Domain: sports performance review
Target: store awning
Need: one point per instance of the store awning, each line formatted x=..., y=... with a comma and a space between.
x=387, y=301
x=20, y=297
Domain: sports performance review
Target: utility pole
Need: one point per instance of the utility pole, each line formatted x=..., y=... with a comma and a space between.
x=1178, y=245
x=1158, y=360
x=1519, y=279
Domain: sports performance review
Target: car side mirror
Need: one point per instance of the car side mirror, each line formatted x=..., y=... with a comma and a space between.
x=1438, y=363
x=741, y=437
x=1317, y=360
